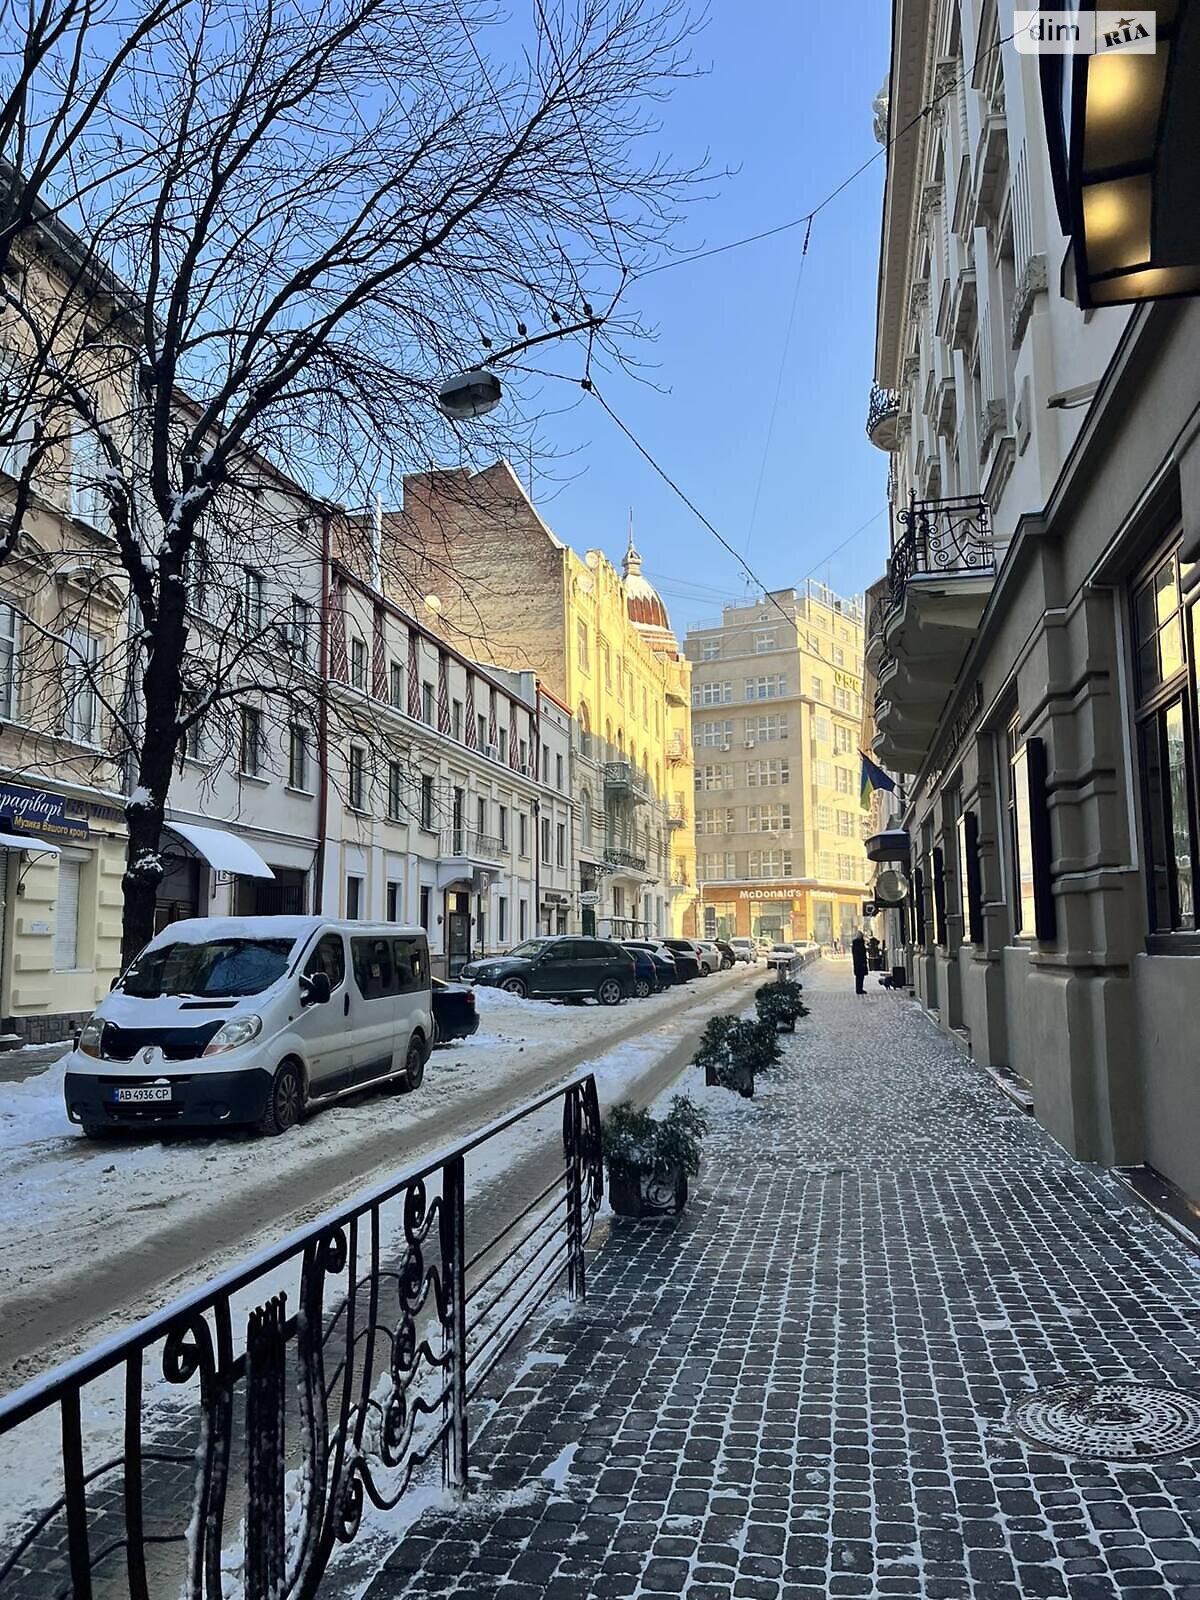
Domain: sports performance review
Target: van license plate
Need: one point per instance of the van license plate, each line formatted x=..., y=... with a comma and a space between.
x=142, y=1094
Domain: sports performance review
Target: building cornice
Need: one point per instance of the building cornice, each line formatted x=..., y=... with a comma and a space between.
x=910, y=74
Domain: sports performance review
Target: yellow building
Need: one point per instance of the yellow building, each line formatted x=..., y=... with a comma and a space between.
x=776, y=711
x=508, y=591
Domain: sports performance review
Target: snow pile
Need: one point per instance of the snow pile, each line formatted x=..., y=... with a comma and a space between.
x=33, y=1110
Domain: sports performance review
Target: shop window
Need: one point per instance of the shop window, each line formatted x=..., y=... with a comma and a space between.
x=939, y=897
x=918, y=906
x=970, y=878
x=1166, y=696
x=1029, y=838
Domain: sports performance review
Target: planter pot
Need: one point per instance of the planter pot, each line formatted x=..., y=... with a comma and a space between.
x=642, y=1192
x=739, y=1079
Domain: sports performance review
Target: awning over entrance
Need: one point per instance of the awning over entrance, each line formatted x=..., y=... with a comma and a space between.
x=223, y=851
x=25, y=841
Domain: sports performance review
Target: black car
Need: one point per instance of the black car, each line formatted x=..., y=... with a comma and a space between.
x=454, y=1013
x=665, y=972
x=728, y=953
x=687, y=962
x=557, y=968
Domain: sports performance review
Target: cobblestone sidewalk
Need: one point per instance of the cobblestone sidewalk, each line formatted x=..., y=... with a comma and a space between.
x=801, y=1389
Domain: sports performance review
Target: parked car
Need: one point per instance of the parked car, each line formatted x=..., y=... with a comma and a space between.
x=559, y=967
x=686, y=958
x=745, y=950
x=781, y=955
x=710, y=956
x=455, y=1014
x=764, y=944
x=645, y=973
x=665, y=971
x=728, y=954
x=224, y=1020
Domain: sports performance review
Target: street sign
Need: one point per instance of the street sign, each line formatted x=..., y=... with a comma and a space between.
x=868, y=908
x=589, y=897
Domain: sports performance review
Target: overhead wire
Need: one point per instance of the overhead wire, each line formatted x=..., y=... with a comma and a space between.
x=783, y=361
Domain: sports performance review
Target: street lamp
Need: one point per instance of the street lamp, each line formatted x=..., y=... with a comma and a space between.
x=476, y=391
x=1123, y=124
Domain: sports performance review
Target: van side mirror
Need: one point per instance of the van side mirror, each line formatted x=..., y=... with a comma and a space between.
x=315, y=989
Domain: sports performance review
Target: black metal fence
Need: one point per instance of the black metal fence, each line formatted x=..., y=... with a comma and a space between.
x=941, y=536
x=191, y=1461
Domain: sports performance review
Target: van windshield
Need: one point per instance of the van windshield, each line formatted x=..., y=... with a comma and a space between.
x=217, y=969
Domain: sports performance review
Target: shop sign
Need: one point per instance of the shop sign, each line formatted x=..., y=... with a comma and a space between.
x=767, y=892
x=847, y=680
x=589, y=897
x=37, y=812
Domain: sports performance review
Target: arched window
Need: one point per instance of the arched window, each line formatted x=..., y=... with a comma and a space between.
x=585, y=818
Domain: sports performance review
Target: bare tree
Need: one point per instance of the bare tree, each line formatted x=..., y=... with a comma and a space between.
x=309, y=214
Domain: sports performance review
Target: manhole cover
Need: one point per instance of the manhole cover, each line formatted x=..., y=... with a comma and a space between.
x=1110, y=1421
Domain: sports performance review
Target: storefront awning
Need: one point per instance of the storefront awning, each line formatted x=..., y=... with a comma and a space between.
x=224, y=852
x=25, y=841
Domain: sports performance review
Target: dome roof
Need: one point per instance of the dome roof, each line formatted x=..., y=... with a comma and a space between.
x=642, y=599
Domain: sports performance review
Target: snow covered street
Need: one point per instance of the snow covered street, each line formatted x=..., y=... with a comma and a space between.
x=97, y=1235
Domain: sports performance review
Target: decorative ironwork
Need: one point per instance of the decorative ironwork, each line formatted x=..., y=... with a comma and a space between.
x=883, y=409
x=623, y=780
x=941, y=536
x=625, y=858
x=255, y=1458
x=471, y=843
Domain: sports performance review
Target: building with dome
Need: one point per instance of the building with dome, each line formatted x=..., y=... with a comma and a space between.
x=510, y=593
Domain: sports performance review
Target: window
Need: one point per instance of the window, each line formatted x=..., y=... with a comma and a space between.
x=16, y=418
x=354, y=900
x=374, y=965
x=825, y=818
x=558, y=772
x=843, y=739
x=722, y=865
x=196, y=572
x=822, y=730
x=719, y=821
x=250, y=753
x=80, y=666
x=712, y=735
x=357, y=781
x=87, y=464
x=427, y=704
x=839, y=656
x=393, y=903
x=845, y=824
x=10, y=646
x=522, y=756
x=768, y=819
x=970, y=877
x=297, y=757
x=605, y=662
x=546, y=840
x=424, y=917
x=545, y=770
x=502, y=813
x=710, y=650
x=481, y=730
x=66, y=911
x=358, y=663
x=938, y=875
x=302, y=630
x=1029, y=838
x=523, y=918
x=766, y=688
x=818, y=689
x=764, y=641
x=395, y=792
x=581, y=646
x=823, y=774
x=713, y=694
x=767, y=729
x=846, y=700
x=766, y=774
x=396, y=685
x=456, y=719
x=502, y=744
x=585, y=819
x=330, y=958
x=560, y=844
x=850, y=870
x=252, y=600
x=522, y=833
x=427, y=801
x=1165, y=693
x=770, y=864
x=502, y=919
x=844, y=779
x=712, y=777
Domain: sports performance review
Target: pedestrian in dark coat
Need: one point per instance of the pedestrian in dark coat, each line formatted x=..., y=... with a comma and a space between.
x=858, y=960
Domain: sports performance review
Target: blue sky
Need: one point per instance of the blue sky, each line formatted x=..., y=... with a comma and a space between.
x=786, y=105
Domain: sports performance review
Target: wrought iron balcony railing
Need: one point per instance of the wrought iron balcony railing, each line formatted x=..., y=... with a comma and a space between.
x=941, y=537
x=328, y=1369
x=677, y=748
x=470, y=842
x=625, y=858
x=623, y=779
x=882, y=414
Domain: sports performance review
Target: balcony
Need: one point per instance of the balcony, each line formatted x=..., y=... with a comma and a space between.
x=939, y=579
x=623, y=781
x=883, y=416
x=467, y=856
x=681, y=880
x=677, y=749
x=624, y=861
x=677, y=817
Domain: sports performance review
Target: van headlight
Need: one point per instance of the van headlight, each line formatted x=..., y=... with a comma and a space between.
x=231, y=1034
x=90, y=1036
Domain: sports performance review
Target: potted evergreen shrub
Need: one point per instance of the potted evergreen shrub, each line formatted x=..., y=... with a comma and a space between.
x=650, y=1159
x=732, y=1050
x=779, y=1004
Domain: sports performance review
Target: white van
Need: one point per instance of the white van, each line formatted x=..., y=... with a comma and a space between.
x=226, y=1020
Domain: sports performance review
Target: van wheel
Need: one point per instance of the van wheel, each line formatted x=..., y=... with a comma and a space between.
x=642, y=989
x=98, y=1130
x=414, y=1067
x=285, y=1103
x=609, y=992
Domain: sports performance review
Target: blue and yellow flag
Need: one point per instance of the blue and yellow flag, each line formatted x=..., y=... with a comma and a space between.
x=873, y=777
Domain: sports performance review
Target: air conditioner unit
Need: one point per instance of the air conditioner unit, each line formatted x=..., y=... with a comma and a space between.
x=749, y=744
x=727, y=745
